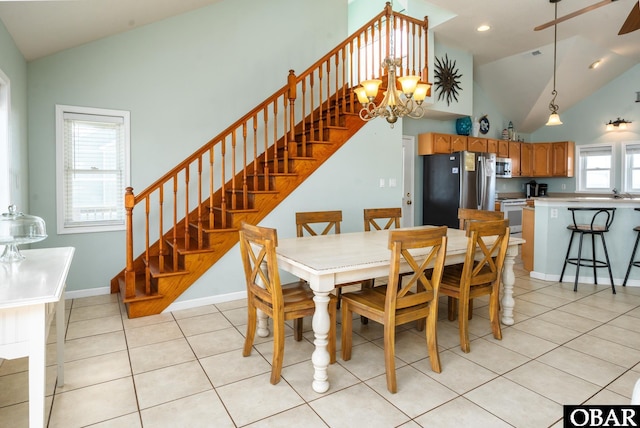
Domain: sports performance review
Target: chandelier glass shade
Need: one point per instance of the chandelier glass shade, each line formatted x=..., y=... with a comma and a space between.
x=396, y=102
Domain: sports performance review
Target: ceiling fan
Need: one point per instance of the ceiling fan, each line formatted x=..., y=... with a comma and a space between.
x=632, y=22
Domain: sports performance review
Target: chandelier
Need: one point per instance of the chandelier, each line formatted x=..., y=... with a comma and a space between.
x=395, y=103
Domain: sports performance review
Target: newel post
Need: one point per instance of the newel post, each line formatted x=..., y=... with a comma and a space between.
x=291, y=83
x=425, y=71
x=129, y=272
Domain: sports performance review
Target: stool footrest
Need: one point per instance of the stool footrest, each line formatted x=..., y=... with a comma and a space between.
x=588, y=262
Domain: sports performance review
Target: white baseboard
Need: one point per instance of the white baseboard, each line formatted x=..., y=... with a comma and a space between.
x=583, y=280
x=87, y=292
x=210, y=300
x=175, y=306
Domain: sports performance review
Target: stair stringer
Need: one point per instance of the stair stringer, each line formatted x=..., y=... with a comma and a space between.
x=168, y=287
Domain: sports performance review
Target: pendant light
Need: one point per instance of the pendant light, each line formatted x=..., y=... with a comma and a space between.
x=554, y=117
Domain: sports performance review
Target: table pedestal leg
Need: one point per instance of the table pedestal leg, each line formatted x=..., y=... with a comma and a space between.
x=320, y=357
x=262, y=330
x=508, y=279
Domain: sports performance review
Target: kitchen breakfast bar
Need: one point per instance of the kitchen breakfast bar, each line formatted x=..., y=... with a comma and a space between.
x=551, y=239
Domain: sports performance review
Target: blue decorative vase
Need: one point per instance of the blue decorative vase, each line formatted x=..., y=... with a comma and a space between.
x=463, y=125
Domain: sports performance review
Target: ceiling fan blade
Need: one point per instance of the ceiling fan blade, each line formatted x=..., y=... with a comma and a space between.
x=573, y=14
x=633, y=20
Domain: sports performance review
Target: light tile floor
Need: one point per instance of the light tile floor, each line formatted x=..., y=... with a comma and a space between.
x=185, y=368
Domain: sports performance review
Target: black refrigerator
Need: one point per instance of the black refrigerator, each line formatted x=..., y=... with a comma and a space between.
x=457, y=180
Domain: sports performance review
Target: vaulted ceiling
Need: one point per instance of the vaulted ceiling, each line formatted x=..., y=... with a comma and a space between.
x=513, y=64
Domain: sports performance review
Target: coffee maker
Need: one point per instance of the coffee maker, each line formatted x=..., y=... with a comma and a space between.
x=531, y=189
x=535, y=190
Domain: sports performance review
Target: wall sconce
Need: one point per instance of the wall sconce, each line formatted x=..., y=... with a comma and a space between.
x=619, y=124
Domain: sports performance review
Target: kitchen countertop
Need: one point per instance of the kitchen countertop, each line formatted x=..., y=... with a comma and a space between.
x=600, y=200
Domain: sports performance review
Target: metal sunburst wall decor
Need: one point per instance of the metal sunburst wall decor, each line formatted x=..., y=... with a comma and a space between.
x=447, y=79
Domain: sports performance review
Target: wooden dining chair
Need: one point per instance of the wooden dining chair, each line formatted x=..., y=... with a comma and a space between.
x=316, y=223
x=281, y=302
x=479, y=275
x=416, y=299
x=389, y=216
x=465, y=215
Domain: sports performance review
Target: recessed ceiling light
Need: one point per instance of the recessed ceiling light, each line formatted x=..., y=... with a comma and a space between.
x=483, y=28
x=595, y=64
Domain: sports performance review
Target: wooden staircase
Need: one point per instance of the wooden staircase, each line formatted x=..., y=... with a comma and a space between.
x=189, y=218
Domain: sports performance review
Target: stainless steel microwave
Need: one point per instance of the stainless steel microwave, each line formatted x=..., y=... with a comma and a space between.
x=503, y=168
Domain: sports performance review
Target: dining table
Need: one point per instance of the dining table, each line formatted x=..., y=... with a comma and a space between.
x=327, y=260
x=31, y=292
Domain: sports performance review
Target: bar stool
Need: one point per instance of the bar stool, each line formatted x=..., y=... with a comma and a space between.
x=633, y=254
x=598, y=224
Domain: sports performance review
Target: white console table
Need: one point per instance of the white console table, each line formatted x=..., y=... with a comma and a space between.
x=30, y=292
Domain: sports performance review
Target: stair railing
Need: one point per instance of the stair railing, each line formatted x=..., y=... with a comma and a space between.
x=218, y=177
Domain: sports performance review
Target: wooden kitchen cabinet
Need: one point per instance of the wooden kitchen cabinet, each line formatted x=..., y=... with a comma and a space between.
x=434, y=143
x=563, y=157
x=528, y=233
x=542, y=159
x=458, y=143
x=514, y=155
x=554, y=159
x=526, y=160
x=492, y=146
x=475, y=144
x=503, y=148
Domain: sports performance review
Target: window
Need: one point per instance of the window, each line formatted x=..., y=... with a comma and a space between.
x=631, y=178
x=595, y=168
x=92, y=168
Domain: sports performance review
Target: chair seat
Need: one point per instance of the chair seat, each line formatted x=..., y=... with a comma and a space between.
x=587, y=228
x=372, y=301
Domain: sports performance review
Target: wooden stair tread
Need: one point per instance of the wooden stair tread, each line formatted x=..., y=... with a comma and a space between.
x=140, y=292
x=154, y=269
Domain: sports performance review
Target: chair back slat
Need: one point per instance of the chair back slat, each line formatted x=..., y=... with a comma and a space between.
x=318, y=222
x=466, y=215
x=419, y=288
x=486, y=251
x=258, y=253
x=373, y=215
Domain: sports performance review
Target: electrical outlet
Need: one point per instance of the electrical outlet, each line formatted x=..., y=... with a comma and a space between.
x=392, y=182
x=564, y=186
x=382, y=182
x=554, y=213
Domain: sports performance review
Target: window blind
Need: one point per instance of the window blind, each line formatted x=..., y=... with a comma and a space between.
x=94, y=170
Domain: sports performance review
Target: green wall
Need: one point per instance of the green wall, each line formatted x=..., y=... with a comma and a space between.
x=14, y=67
x=184, y=80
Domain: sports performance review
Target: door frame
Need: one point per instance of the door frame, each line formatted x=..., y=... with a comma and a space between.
x=408, y=180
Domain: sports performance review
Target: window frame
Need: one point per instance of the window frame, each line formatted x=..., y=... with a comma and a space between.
x=7, y=171
x=626, y=168
x=88, y=226
x=581, y=172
